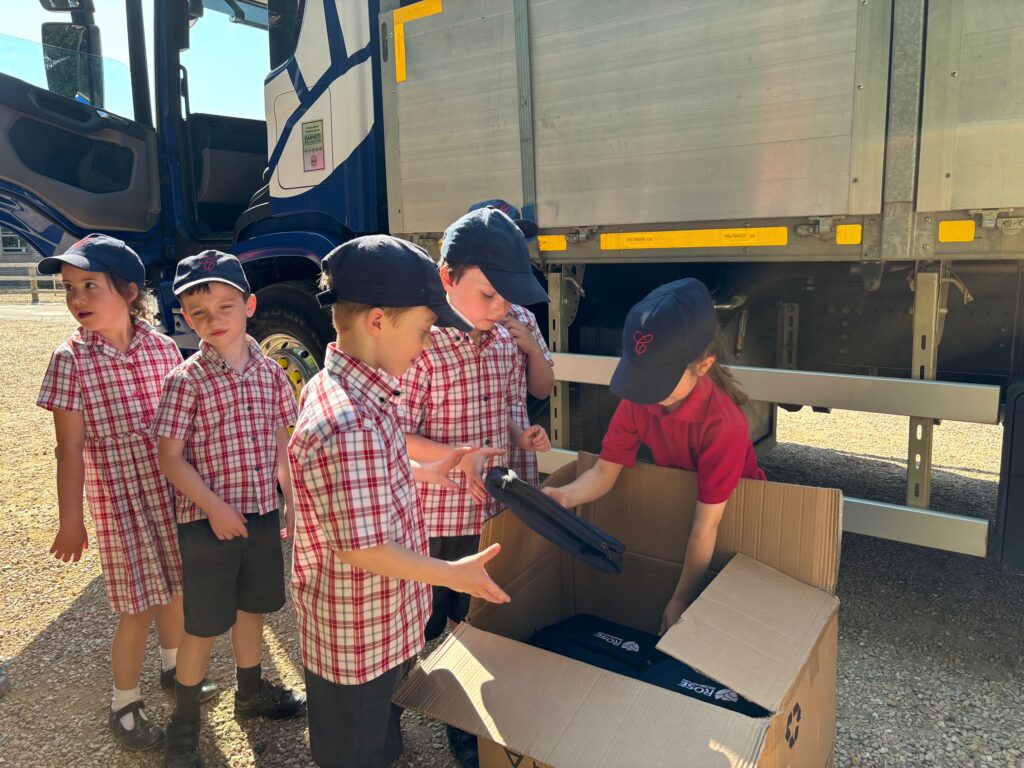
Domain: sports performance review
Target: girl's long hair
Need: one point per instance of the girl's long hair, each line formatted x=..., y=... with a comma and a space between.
x=138, y=307
x=720, y=377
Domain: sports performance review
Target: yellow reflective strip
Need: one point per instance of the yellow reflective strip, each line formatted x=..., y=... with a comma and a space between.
x=401, y=17
x=552, y=242
x=848, y=234
x=960, y=231
x=695, y=238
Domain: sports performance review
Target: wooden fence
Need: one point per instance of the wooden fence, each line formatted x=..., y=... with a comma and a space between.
x=28, y=282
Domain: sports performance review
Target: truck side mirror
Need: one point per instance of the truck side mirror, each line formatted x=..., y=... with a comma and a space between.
x=73, y=61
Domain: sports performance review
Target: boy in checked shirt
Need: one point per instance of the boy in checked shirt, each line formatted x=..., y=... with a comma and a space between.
x=461, y=390
x=223, y=424
x=361, y=571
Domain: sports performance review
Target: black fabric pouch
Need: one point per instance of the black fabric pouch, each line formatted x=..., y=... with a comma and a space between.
x=554, y=522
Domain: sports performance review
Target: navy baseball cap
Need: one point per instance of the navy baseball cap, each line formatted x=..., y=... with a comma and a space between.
x=527, y=227
x=98, y=253
x=383, y=271
x=209, y=267
x=489, y=239
x=664, y=332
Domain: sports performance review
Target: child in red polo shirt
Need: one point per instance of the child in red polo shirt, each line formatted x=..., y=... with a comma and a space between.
x=679, y=401
x=361, y=569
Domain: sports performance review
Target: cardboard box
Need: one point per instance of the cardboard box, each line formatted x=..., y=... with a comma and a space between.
x=765, y=626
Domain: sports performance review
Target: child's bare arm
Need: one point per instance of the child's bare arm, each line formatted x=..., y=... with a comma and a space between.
x=592, y=484
x=71, y=537
x=540, y=378
x=226, y=521
x=284, y=479
x=699, y=549
x=466, y=575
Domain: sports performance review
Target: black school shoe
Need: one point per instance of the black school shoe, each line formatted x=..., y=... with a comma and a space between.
x=145, y=734
x=181, y=749
x=273, y=701
x=207, y=692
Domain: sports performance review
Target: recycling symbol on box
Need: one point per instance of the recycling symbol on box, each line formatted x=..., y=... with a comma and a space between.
x=793, y=725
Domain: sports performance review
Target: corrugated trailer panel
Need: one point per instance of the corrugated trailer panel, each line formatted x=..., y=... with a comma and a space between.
x=654, y=111
x=972, y=155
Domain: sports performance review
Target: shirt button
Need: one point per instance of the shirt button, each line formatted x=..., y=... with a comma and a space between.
x=487, y=441
x=257, y=468
x=254, y=439
x=249, y=408
x=486, y=398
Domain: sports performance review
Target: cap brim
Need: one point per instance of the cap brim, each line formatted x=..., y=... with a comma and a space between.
x=193, y=283
x=519, y=288
x=51, y=265
x=527, y=227
x=645, y=386
x=449, y=317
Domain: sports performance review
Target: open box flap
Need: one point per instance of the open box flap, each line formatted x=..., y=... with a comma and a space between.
x=751, y=629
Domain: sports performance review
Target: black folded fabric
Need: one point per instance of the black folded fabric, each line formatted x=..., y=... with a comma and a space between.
x=554, y=522
x=623, y=645
x=666, y=672
x=632, y=653
x=556, y=642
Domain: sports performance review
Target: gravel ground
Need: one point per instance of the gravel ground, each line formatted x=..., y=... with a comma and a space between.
x=930, y=662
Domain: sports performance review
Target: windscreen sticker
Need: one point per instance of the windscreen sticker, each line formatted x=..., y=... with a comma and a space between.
x=313, y=145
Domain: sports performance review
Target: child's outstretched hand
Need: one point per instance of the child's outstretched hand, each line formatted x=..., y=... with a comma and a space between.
x=71, y=539
x=438, y=472
x=472, y=466
x=534, y=439
x=524, y=339
x=470, y=576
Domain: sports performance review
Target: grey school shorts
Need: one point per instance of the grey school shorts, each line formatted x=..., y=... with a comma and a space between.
x=220, y=578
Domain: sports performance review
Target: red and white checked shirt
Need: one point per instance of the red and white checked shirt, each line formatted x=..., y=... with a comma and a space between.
x=353, y=489
x=229, y=423
x=460, y=394
x=130, y=501
x=524, y=463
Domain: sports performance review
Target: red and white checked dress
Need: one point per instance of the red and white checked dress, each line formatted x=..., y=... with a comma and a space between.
x=131, y=502
x=229, y=422
x=460, y=394
x=524, y=463
x=353, y=489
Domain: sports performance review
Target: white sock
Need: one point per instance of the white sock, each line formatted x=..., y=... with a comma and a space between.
x=123, y=699
x=168, y=658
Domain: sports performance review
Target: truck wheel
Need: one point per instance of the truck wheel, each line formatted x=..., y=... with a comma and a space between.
x=292, y=329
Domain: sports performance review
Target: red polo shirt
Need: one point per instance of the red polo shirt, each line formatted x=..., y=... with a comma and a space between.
x=707, y=434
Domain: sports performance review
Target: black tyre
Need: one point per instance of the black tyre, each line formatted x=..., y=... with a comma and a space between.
x=292, y=329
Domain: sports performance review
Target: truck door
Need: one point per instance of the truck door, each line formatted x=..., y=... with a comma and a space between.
x=77, y=147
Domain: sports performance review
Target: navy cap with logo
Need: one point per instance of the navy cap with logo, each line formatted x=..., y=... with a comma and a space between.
x=383, y=271
x=489, y=239
x=98, y=253
x=664, y=332
x=209, y=267
x=527, y=227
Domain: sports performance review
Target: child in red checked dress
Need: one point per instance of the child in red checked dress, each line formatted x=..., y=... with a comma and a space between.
x=102, y=386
